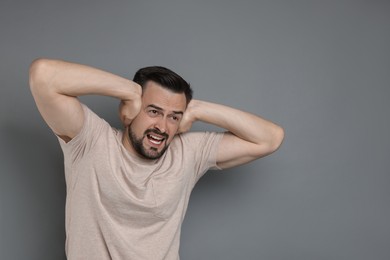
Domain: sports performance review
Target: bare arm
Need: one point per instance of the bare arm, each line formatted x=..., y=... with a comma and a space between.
x=56, y=85
x=249, y=136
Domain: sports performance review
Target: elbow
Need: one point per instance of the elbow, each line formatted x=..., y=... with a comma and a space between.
x=271, y=145
x=277, y=139
x=38, y=73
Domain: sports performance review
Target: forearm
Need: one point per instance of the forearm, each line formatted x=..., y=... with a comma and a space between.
x=246, y=126
x=56, y=85
x=71, y=79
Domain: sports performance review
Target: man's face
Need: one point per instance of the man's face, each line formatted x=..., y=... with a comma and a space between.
x=153, y=129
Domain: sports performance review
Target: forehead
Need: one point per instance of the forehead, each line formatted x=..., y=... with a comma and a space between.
x=155, y=94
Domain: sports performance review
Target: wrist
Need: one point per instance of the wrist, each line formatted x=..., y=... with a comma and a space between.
x=134, y=91
x=137, y=88
x=192, y=110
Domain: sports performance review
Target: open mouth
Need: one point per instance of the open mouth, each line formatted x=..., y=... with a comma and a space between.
x=155, y=139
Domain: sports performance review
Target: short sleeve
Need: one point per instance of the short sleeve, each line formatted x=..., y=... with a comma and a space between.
x=204, y=147
x=85, y=140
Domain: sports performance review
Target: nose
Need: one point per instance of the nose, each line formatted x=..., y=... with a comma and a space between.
x=161, y=125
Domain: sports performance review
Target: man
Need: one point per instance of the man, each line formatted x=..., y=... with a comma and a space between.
x=128, y=191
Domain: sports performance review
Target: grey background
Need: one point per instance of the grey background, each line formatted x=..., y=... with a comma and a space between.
x=321, y=69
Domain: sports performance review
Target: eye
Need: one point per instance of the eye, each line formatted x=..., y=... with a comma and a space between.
x=175, y=118
x=153, y=112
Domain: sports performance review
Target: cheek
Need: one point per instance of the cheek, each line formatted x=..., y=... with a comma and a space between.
x=173, y=131
x=137, y=127
x=141, y=123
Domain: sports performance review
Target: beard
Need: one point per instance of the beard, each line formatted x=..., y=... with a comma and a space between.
x=139, y=147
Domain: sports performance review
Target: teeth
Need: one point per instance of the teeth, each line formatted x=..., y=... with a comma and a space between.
x=155, y=139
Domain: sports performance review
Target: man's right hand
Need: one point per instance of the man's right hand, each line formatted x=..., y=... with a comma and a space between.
x=129, y=109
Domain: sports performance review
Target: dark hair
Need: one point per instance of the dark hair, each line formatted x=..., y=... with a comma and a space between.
x=166, y=78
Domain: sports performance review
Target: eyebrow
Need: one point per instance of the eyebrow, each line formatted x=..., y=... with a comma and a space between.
x=161, y=109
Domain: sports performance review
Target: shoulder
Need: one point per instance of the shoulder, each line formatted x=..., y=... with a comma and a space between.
x=93, y=128
x=196, y=139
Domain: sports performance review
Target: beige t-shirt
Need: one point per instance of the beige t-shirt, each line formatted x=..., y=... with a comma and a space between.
x=119, y=206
